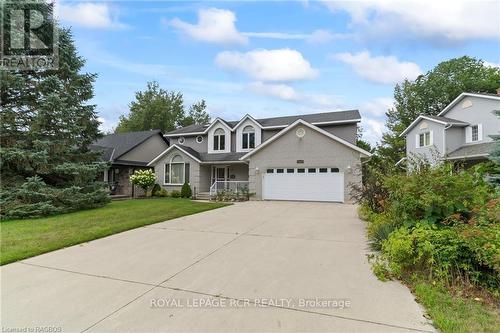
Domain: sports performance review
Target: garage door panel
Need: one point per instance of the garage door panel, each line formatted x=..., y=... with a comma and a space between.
x=304, y=186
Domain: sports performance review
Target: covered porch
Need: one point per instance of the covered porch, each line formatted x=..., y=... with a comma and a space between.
x=227, y=176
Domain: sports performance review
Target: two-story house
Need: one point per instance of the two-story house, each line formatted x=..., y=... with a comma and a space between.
x=305, y=157
x=461, y=132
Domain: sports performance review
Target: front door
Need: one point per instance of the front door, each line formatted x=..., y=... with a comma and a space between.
x=219, y=174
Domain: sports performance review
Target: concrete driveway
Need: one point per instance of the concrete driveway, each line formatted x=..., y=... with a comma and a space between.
x=250, y=267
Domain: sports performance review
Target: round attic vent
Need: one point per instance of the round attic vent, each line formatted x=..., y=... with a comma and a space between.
x=300, y=132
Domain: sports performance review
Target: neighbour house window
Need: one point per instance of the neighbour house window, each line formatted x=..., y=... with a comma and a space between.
x=424, y=139
x=248, y=138
x=219, y=139
x=475, y=133
x=176, y=172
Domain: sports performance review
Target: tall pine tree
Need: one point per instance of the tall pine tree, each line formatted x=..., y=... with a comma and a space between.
x=47, y=125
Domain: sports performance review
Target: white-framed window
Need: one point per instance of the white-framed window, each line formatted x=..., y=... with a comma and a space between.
x=424, y=139
x=199, y=139
x=474, y=133
x=181, y=140
x=177, y=171
x=248, y=138
x=219, y=139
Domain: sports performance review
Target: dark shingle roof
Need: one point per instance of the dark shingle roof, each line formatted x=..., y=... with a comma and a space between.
x=312, y=118
x=205, y=157
x=448, y=120
x=472, y=150
x=115, y=145
x=282, y=121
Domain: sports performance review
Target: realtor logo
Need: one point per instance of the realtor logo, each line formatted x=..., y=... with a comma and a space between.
x=29, y=36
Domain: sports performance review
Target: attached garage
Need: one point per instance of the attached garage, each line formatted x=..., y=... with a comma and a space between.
x=305, y=163
x=303, y=184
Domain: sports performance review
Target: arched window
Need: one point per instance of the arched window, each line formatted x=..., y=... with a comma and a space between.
x=248, y=138
x=177, y=171
x=219, y=139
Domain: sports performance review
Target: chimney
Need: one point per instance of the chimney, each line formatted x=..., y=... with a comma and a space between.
x=498, y=91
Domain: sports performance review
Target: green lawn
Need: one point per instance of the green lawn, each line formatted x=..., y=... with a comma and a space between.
x=455, y=314
x=22, y=239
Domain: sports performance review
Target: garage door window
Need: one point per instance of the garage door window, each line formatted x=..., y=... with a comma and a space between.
x=301, y=170
x=323, y=170
x=311, y=170
x=280, y=170
x=270, y=171
x=290, y=170
x=335, y=170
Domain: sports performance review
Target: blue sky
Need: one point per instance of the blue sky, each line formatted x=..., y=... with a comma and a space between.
x=272, y=58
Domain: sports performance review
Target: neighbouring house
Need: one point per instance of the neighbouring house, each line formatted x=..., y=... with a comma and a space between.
x=461, y=132
x=310, y=157
x=126, y=153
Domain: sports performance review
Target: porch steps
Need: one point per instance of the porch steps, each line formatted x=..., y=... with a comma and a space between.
x=203, y=196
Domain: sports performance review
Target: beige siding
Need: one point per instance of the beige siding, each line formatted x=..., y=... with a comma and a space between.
x=315, y=149
x=194, y=171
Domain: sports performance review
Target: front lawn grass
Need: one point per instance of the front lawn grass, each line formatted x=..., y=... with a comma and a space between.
x=457, y=314
x=22, y=239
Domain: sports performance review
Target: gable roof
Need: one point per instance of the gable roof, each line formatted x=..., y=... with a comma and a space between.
x=463, y=95
x=436, y=119
x=300, y=121
x=325, y=118
x=115, y=145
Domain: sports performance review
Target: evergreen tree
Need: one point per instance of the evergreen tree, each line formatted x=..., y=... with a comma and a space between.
x=494, y=177
x=46, y=128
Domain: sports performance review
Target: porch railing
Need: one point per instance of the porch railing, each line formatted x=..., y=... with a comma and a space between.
x=235, y=187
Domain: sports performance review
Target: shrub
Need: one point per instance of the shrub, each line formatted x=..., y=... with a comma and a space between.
x=145, y=179
x=186, y=191
x=433, y=194
x=156, y=190
x=461, y=252
x=175, y=194
x=379, y=229
x=162, y=193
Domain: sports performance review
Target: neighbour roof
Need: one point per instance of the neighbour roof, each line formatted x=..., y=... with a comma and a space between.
x=437, y=119
x=314, y=118
x=115, y=145
x=474, y=150
x=462, y=95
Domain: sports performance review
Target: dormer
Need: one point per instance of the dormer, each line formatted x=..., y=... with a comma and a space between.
x=248, y=134
x=219, y=137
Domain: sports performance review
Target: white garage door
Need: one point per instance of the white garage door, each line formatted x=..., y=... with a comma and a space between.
x=304, y=184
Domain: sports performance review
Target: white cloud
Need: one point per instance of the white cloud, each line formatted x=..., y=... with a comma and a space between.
x=381, y=69
x=373, y=130
x=214, y=26
x=281, y=91
x=107, y=126
x=376, y=107
x=88, y=14
x=268, y=65
x=319, y=36
x=492, y=64
x=456, y=21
